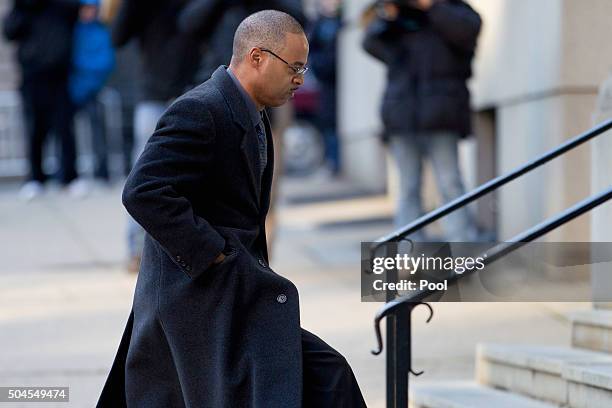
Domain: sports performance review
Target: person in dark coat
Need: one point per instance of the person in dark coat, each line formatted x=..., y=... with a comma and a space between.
x=212, y=325
x=43, y=33
x=170, y=54
x=428, y=47
x=323, y=40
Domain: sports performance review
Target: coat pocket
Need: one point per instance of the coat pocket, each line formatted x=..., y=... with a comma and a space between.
x=230, y=256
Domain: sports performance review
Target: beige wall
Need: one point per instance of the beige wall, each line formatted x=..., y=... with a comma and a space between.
x=361, y=83
x=519, y=50
x=601, y=179
x=526, y=130
x=539, y=64
x=587, y=56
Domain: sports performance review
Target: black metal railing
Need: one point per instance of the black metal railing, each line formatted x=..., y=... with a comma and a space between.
x=398, y=311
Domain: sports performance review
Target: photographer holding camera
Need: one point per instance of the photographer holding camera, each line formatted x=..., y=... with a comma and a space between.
x=428, y=47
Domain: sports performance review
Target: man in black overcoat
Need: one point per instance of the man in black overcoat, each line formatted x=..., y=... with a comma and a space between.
x=212, y=325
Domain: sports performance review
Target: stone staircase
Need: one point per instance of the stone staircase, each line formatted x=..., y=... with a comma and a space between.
x=522, y=376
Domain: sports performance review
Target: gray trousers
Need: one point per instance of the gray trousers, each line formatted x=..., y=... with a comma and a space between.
x=146, y=115
x=409, y=152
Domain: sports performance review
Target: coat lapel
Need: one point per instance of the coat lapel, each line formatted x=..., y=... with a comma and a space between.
x=250, y=153
x=240, y=115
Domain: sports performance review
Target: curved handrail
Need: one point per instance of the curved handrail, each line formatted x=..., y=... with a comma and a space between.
x=401, y=308
x=498, y=252
x=388, y=309
x=491, y=185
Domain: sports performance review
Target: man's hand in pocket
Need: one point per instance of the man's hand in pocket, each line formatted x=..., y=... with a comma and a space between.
x=219, y=258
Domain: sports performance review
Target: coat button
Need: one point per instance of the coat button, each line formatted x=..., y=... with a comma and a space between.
x=262, y=262
x=282, y=298
x=178, y=258
x=188, y=268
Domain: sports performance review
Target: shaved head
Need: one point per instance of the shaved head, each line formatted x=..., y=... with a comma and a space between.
x=269, y=57
x=264, y=29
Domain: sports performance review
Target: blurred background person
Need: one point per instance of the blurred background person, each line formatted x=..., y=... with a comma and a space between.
x=43, y=31
x=428, y=47
x=92, y=63
x=170, y=55
x=323, y=38
x=125, y=81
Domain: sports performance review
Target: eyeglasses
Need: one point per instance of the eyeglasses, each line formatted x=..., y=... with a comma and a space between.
x=297, y=70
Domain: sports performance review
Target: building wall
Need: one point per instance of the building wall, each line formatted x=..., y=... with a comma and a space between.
x=539, y=65
x=526, y=130
x=601, y=179
x=361, y=83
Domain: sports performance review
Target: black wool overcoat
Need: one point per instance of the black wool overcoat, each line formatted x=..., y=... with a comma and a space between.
x=226, y=335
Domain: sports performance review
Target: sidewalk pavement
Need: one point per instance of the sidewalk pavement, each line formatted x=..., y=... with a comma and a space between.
x=65, y=296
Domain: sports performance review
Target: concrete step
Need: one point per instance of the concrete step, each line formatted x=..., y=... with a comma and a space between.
x=589, y=386
x=468, y=395
x=592, y=329
x=555, y=374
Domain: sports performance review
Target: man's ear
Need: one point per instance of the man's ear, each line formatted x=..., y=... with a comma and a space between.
x=255, y=57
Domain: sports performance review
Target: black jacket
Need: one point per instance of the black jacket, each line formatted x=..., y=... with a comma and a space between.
x=202, y=335
x=43, y=32
x=428, y=66
x=170, y=55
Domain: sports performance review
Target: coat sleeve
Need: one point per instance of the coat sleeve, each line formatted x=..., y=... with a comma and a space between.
x=378, y=43
x=130, y=19
x=458, y=23
x=177, y=158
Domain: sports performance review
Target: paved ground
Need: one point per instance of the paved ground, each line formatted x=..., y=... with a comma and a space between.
x=64, y=296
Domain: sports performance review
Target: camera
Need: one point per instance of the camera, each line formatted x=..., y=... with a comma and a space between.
x=402, y=12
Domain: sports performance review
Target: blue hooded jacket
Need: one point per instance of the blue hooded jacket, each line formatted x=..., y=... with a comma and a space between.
x=93, y=59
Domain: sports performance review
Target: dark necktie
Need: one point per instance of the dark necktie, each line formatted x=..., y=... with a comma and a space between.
x=263, y=147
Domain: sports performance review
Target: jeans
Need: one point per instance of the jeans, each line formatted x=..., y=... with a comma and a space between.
x=409, y=151
x=95, y=113
x=332, y=149
x=146, y=115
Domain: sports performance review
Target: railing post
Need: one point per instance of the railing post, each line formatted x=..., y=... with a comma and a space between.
x=399, y=344
x=404, y=355
x=394, y=340
x=399, y=348
x=391, y=378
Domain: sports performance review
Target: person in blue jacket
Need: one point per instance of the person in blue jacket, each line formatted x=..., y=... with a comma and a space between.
x=93, y=60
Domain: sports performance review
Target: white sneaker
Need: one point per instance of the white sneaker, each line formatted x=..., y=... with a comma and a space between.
x=31, y=190
x=78, y=188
